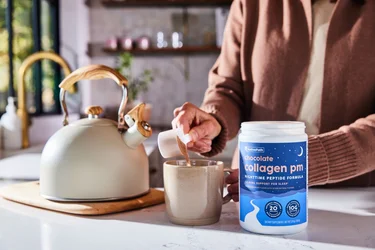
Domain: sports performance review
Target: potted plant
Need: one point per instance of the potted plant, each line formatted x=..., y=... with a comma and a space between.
x=136, y=85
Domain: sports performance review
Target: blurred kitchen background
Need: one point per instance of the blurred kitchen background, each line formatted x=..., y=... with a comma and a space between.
x=165, y=47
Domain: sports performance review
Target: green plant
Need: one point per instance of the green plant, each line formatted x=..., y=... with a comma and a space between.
x=137, y=84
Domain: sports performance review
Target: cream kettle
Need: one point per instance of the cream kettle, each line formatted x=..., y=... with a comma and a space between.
x=95, y=159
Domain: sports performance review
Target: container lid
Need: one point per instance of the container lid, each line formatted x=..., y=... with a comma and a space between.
x=259, y=125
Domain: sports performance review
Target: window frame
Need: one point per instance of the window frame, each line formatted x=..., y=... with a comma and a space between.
x=36, y=26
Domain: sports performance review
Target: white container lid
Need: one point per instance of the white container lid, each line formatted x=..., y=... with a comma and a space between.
x=259, y=125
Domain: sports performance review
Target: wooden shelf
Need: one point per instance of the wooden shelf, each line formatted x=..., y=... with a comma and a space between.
x=163, y=51
x=165, y=3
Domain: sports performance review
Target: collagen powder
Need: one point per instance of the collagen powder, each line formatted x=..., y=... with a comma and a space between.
x=273, y=177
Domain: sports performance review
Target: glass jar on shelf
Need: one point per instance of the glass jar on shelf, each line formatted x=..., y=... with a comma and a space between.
x=177, y=40
x=143, y=42
x=126, y=43
x=161, y=40
x=112, y=43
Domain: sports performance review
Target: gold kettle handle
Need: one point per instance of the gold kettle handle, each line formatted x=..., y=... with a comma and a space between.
x=95, y=72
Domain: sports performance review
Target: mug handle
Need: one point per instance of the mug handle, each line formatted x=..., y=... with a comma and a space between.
x=228, y=197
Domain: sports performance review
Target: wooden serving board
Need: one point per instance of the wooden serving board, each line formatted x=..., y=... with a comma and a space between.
x=28, y=193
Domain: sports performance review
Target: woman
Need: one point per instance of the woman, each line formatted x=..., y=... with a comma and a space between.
x=312, y=61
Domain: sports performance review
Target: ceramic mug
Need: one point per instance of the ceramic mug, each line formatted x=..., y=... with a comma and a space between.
x=194, y=195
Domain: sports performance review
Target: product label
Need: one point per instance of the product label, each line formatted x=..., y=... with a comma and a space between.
x=273, y=183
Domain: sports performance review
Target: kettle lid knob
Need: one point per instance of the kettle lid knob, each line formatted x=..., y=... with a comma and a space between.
x=94, y=110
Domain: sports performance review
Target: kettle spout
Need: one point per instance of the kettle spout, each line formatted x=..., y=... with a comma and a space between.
x=137, y=134
x=136, y=114
x=139, y=130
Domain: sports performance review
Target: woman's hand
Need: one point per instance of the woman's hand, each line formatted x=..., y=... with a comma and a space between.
x=201, y=126
x=232, y=180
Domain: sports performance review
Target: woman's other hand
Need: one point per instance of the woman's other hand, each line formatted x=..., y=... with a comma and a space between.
x=232, y=181
x=201, y=126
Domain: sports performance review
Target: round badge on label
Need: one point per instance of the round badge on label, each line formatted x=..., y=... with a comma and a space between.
x=273, y=209
x=293, y=208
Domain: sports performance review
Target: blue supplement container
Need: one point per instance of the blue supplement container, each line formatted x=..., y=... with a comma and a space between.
x=273, y=176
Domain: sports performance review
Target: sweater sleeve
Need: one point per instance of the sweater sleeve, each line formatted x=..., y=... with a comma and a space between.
x=343, y=153
x=224, y=98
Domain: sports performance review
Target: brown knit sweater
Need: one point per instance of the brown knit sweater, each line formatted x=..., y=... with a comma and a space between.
x=261, y=72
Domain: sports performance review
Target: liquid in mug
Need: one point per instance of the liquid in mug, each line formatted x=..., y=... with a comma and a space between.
x=273, y=177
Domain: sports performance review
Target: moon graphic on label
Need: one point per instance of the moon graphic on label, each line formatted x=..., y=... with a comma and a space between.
x=301, y=151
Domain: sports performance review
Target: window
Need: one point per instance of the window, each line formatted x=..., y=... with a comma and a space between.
x=28, y=26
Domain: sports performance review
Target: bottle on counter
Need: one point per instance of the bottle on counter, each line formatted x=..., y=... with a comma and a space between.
x=11, y=127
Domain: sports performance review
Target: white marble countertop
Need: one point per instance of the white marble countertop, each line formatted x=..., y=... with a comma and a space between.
x=338, y=219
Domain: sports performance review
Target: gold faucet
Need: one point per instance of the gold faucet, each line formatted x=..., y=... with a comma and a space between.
x=22, y=111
